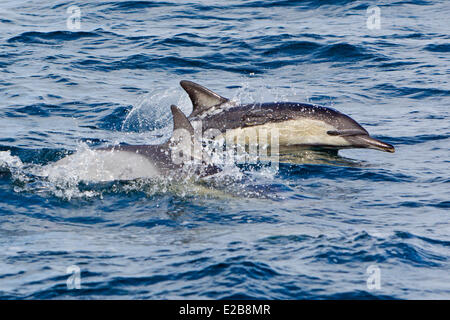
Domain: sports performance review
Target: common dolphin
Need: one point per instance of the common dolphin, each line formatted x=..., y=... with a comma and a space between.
x=298, y=124
x=129, y=162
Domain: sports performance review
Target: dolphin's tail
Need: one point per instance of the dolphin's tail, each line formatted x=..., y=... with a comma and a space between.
x=366, y=141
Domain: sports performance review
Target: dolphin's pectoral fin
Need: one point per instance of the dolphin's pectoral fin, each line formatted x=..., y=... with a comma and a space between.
x=361, y=139
x=201, y=97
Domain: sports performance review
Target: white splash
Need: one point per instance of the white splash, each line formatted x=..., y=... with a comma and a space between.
x=101, y=166
x=9, y=162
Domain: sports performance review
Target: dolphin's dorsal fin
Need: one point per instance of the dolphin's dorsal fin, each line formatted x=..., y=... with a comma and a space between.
x=180, y=121
x=201, y=97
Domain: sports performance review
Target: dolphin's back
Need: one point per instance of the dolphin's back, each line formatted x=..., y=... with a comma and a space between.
x=262, y=113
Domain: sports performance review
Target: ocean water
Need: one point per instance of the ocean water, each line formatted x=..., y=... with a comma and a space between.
x=364, y=224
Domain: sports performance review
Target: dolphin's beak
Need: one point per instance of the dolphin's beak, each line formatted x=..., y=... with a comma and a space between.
x=365, y=141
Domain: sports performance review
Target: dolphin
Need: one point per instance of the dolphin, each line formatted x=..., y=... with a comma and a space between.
x=298, y=124
x=130, y=162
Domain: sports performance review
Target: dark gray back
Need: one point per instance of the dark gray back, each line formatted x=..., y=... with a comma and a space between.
x=258, y=114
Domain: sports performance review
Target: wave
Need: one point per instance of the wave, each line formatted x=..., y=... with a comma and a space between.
x=347, y=52
x=411, y=92
x=54, y=37
x=155, y=62
x=400, y=247
x=293, y=48
x=337, y=173
x=418, y=139
x=307, y=4
x=40, y=109
x=237, y=276
x=144, y=62
x=288, y=52
x=128, y=6
x=438, y=47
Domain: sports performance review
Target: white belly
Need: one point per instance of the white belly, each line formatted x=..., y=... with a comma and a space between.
x=102, y=166
x=293, y=132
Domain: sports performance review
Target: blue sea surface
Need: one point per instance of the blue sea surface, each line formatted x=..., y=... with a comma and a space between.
x=316, y=229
